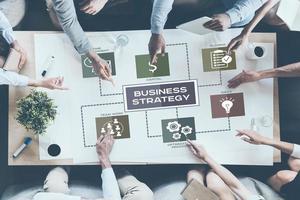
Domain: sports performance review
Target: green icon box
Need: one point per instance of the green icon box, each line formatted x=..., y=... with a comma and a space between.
x=177, y=130
x=212, y=60
x=145, y=70
x=87, y=68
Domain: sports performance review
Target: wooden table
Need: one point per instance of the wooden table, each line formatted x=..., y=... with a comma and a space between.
x=16, y=132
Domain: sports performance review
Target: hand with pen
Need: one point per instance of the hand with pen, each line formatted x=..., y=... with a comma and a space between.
x=101, y=67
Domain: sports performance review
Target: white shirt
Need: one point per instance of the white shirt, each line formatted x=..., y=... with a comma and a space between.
x=296, y=151
x=6, y=29
x=256, y=197
x=12, y=78
x=110, y=189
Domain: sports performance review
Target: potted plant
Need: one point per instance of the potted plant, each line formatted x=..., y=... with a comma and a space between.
x=36, y=111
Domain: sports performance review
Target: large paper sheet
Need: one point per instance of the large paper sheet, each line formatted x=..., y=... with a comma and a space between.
x=185, y=97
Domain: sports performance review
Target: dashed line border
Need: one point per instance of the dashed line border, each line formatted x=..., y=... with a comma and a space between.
x=82, y=119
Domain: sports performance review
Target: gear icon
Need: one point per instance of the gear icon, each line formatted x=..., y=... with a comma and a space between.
x=173, y=126
x=186, y=130
x=176, y=136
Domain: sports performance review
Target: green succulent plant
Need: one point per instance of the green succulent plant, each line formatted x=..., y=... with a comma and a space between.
x=36, y=111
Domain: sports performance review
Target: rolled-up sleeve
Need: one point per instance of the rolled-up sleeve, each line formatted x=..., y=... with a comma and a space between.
x=160, y=11
x=66, y=15
x=110, y=185
x=6, y=29
x=243, y=10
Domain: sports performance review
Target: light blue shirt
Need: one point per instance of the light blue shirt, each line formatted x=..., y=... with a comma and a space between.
x=240, y=12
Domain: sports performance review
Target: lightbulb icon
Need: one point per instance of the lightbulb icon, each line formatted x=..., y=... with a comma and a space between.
x=227, y=104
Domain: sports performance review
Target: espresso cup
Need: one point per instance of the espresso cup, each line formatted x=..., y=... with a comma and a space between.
x=255, y=52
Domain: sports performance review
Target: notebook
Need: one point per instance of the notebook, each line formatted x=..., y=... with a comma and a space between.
x=196, y=191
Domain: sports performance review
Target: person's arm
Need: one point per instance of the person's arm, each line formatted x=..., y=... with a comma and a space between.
x=229, y=179
x=66, y=14
x=291, y=70
x=6, y=29
x=160, y=11
x=253, y=137
x=110, y=185
x=13, y=78
x=243, y=9
x=261, y=12
x=67, y=17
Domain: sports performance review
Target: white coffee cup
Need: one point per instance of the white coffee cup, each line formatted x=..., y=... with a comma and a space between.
x=255, y=52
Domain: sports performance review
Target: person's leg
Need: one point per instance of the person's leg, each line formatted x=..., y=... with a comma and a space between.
x=281, y=178
x=217, y=185
x=294, y=164
x=57, y=181
x=14, y=10
x=197, y=174
x=133, y=189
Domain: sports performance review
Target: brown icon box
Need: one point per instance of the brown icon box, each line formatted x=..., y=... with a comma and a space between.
x=118, y=126
x=227, y=105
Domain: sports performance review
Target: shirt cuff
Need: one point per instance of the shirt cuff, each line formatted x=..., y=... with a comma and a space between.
x=156, y=29
x=234, y=15
x=296, y=151
x=84, y=48
x=107, y=172
x=8, y=35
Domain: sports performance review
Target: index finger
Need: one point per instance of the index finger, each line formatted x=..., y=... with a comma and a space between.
x=153, y=58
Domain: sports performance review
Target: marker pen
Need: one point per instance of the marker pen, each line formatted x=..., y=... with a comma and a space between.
x=48, y=63
x=27, y=142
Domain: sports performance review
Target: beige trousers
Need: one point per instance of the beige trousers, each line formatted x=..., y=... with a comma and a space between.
x=131, y=189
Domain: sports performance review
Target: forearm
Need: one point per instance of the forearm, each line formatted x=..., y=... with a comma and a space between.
x=261, y=12
x=229, y=179
x=160, y=11
x=282, y=146
x=242, y=10
x=109, y=182
x=291, y=70
x=66, y=15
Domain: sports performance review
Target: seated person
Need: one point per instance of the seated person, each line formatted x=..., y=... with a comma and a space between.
x=286, y=182
x=66, y=14
x=238, y=13
x=13, y=10
x=56, y=184
x=291, y=70
x=220, y=180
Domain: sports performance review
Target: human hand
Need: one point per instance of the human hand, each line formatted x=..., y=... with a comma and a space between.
x=219, y=22
x=101, y=67
x=236, y=42
x=244, y=77
x=16, y=46
x=52, y=83
x=252, y=137
x=156, y=45
x=198, y=150
x=104, y=146
x=92, y=7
